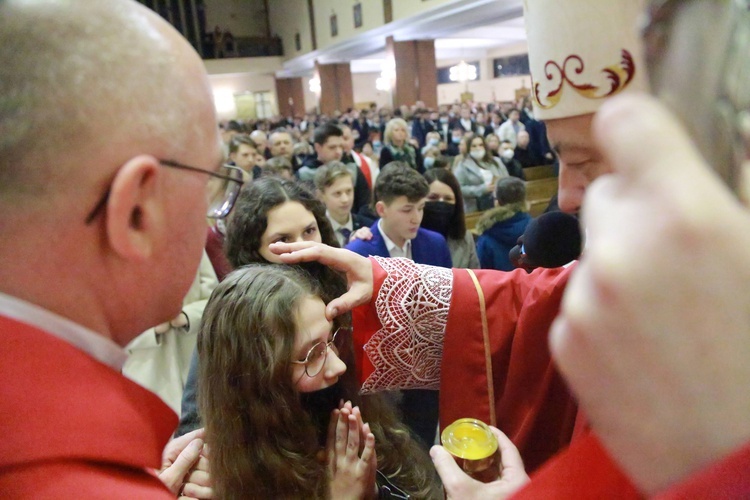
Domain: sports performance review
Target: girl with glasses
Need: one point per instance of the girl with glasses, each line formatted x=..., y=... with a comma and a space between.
x=273, y=380
x=279, y=458
x=267, y=211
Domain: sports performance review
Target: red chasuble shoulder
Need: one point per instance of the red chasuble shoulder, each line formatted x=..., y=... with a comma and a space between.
x=74, y=426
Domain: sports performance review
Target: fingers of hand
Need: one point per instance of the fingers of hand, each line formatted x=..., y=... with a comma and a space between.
x=192, y=490
x=162, y=328
x=364, y=430
x=203, y=464
x=307, y=251
x=342, y=430
x=199, y=478
x=188, y=455
x=636, y=131
x=173, y=475
x=508, y=452
x=352, y=444
x=174, y=447
x=450, y=473
x=285, y=249
x=360, y=292
x=331, y=439
x=369, y=459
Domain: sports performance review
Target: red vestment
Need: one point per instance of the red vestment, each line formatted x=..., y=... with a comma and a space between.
x=585, y=470
x=72, y=426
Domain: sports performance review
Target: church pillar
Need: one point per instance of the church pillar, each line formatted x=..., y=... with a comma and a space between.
x=415, y=71
x=336, y=92
x=291, y=96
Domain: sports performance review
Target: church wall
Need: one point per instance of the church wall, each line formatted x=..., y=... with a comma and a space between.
x=287, y=18
x=241, y=17
x=372, y=17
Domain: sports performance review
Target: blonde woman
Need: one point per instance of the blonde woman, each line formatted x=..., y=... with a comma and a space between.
x=397, y=147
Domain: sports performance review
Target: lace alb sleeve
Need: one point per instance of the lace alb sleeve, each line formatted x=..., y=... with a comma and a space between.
x=412, y=306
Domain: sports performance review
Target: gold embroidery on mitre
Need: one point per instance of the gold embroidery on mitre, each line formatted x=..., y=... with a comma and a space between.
x=619, y=76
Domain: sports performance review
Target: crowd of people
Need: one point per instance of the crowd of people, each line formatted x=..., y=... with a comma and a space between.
x=307, y=370
x=476, y=179
x=508, y=133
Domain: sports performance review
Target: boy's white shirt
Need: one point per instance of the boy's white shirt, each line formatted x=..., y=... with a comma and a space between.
x=393, y=249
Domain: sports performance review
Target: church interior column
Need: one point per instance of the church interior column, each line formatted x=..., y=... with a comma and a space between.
x=336, y=92
x=291, y=97
x=416, y=71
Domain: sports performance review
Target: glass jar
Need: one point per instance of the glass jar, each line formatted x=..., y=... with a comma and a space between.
x=474, y=447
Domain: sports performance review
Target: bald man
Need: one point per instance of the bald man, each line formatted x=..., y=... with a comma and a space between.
x=260, y=138
x=104, y=163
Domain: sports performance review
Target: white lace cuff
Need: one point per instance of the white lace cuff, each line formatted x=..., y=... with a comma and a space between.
x=412, y=306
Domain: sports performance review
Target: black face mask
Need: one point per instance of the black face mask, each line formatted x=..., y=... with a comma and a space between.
x=320, y=404
x=438, y=216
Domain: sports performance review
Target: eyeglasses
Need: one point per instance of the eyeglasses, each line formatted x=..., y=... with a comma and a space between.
x=222, y=190
x=317, y=355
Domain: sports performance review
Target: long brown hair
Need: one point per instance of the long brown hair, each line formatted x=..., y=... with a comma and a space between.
x=263, y=443
x=487, y=158
x=249, y=218
x=249, y=221
x=457, y=229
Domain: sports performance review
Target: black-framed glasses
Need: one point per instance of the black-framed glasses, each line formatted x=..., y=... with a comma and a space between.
x=317, y=355
x=222, y=190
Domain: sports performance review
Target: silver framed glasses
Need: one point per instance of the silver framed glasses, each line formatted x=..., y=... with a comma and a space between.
x=317, y=355
x=222, y=191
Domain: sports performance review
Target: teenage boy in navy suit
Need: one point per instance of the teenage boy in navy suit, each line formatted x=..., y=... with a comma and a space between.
x=334, y=186
x=399, y=198
x=400, y=194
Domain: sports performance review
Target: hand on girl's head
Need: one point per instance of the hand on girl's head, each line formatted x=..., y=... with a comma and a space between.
x=358, y=270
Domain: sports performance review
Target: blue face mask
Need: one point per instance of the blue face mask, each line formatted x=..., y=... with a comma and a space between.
x=434, y=142
x=429, y=161
x=376, y=144
x=456, y=140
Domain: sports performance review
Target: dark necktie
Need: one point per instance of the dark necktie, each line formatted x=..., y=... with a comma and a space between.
x=346, y=232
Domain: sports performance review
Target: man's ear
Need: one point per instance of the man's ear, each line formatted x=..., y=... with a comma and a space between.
x=134, y=215
x=318, y=148
x=380, y=209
